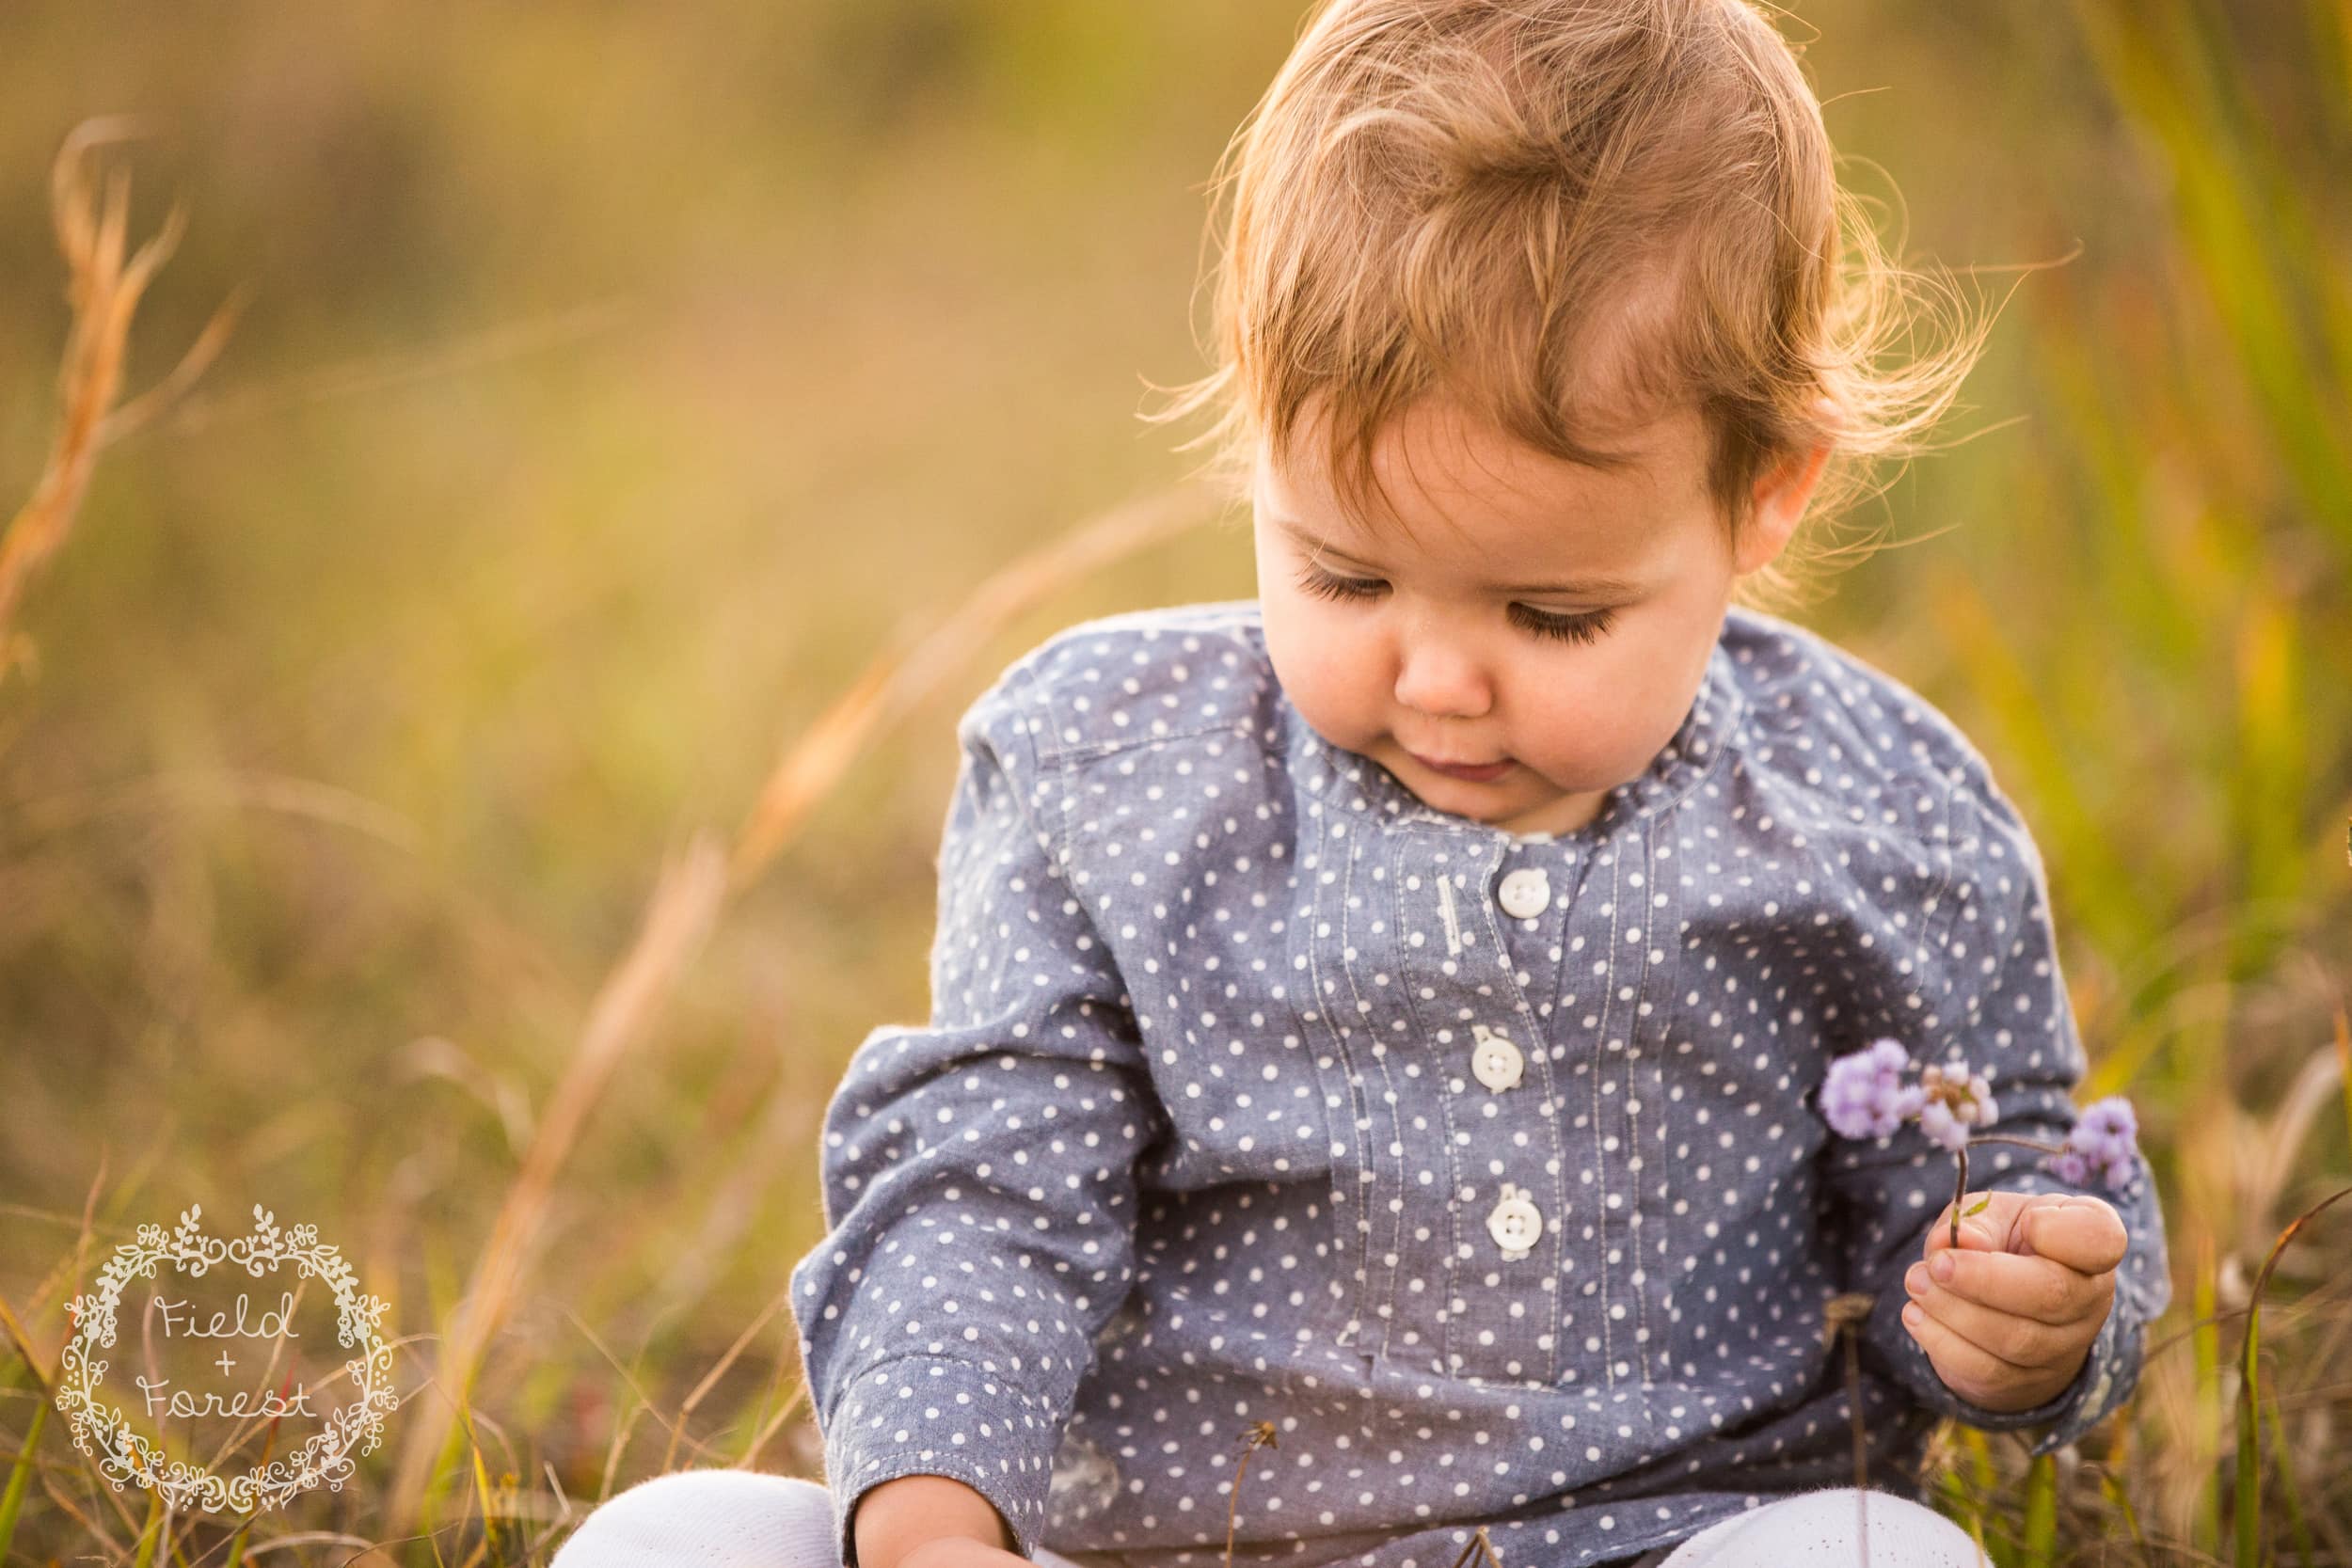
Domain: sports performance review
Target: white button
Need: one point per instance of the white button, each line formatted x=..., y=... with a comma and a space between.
x=1514, y=1224
x=1526, y=893
x=1494, y=1059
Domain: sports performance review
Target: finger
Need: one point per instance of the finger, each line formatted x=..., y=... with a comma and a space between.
x=1999, y=1221
x=2020, y=1341
x=2082, y=1232
x=2019, y=1286
x=1967, y=1368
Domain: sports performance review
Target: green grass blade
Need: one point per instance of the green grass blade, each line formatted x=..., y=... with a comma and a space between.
x=1976, y=1533
x=1980, y=1470
x=2041, y=1511
x=149, y=1532
x=2289, y=1493
x=20, y=1476
x=2205, y=1348
x=2247, y=1504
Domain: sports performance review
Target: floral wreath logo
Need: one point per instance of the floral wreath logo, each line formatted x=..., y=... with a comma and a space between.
x=125, y=1455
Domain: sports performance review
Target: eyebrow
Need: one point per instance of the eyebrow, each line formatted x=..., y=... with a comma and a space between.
x=1598, y=586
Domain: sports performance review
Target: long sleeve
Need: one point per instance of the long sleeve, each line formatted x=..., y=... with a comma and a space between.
x=2003, y=1009
x=978, y=1171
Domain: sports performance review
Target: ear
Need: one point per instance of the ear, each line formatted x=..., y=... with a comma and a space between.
x=1777, y=504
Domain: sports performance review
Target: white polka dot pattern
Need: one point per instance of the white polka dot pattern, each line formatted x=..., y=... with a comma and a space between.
x=1198, y=1134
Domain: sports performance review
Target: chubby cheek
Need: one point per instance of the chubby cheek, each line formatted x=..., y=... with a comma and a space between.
x=1598, y=720
x=1313, y=659
x=1578, y=732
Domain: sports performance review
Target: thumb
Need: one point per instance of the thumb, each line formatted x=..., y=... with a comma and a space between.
x=2082, y=1232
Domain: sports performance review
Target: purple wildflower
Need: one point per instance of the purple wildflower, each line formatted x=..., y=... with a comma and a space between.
x=1864, y=1096
x=1956, y=1100
x=2104, y=1143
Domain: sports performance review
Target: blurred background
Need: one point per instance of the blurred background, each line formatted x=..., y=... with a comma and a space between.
x=614, y=381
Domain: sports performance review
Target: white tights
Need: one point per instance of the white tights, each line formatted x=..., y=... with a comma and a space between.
x=742, y=1519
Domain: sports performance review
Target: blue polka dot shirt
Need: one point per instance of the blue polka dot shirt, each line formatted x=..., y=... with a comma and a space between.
x=1485, y=1169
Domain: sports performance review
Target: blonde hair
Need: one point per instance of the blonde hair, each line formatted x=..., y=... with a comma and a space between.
x=1563, y=216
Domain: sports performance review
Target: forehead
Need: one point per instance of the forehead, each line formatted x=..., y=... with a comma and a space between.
x=1452, y=481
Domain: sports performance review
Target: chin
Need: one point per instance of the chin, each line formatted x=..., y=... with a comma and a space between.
x=1485, y=802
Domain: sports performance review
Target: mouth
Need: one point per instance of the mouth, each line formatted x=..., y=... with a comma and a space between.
x=1478, y=773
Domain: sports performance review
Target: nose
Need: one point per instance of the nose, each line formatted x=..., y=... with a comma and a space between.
x=1442, y=680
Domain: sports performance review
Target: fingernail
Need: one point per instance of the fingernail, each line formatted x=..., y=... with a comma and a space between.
x=1914, y=1279
x=1913, y=1317
x=1942, y=1267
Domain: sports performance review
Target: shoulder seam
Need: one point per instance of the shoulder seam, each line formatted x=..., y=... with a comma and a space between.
x=1020, y=687
x=1058, y=753
x=1052, y=829
x=1094, y=750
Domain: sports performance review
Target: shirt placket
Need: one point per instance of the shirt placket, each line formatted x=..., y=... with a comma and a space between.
x=1483, y=1197
x=1614, y=1017
x=1359, y=1066
x=1652, y=943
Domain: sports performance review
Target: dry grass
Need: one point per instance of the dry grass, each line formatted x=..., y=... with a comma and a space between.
x=689, y=894
x=584, y=1344
x=104, y=291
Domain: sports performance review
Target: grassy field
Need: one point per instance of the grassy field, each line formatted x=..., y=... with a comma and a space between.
x=471, y=766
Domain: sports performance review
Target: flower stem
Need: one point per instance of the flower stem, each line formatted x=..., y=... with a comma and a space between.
x=2021, y=1142
x=1959, y=1191
x=1259, y=1434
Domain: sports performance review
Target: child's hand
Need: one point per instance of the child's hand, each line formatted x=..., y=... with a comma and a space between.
x=2008, y=1317
x=927, y=1521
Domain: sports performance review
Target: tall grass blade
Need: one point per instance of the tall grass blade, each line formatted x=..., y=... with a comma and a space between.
x=2290, y=1491
x=106, y=289
x=2041, y=1534
x=2248, y=1502
x=149, y=1532
x=21, y=1475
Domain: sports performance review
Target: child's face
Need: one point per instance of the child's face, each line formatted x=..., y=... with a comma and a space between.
x=1484, y=639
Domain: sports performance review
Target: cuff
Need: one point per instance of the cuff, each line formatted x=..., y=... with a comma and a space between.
x=935, y=1416
x=2109, y=1372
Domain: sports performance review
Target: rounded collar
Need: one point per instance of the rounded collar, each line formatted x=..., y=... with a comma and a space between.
x=1350, y=781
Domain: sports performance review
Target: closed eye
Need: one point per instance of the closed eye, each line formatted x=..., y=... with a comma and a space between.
x=1588, y=625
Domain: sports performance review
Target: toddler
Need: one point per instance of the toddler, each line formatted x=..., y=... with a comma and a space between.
x=1370, y=1087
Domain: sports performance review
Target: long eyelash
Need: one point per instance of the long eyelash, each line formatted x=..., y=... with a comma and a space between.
x=1324, y=585
x=1587, y=626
